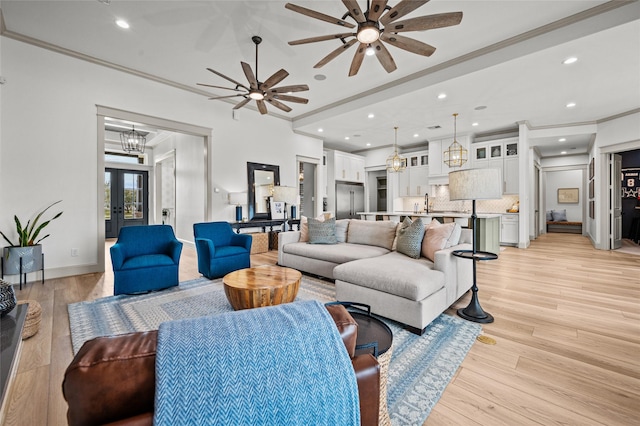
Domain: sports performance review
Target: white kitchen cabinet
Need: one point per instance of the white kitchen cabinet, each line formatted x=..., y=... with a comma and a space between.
x=414, y=180
x=511, y=175
x=509, y=229
x=418, y=181
x=347, y=167
x=438, y=170
x=499, y=154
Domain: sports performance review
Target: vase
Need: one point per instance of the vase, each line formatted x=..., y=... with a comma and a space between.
x=7, y=298
x=31, y=259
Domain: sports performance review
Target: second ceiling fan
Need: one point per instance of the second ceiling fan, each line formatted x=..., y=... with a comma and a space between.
x=374, y=27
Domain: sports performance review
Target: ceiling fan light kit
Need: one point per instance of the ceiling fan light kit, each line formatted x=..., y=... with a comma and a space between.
x=379, y=23
x=259, y=91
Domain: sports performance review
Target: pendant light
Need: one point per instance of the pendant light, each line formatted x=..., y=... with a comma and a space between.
x=456, y=155
x=133, y=141
x=396, y=163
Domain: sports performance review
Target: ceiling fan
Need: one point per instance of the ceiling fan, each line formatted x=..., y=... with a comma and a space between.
x=259, y=91
x=374, y=27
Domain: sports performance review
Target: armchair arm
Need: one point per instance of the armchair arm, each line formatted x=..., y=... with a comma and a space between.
x=117, y=256
x=175, y=250
x=205, y=248
x=286, y=238
x=242, y=240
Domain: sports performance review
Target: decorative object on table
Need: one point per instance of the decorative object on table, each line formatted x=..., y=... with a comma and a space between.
x=133, y=141
x=421, y=368
x=25, y=255
x=277, y=209
x=7, y=298
x=375, y=27
x=568, y=195
x=238, y=198
x=475, y=184
x=259, y=91
x=396, y=163
x=32, y=322
x=456, y=155
x=288, y=195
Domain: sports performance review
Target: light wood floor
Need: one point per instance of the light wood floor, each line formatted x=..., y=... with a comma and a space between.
x=567, y=330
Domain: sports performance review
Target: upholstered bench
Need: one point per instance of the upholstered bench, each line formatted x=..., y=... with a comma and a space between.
x=564, y=226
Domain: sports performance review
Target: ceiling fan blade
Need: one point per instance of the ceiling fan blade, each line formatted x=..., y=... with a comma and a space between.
x=225, y=97
x=376, y=9
x=279, y=105
x=318, y=15
x=219, y=87
x=276, y=78
x=261, y=107
x=408, y=44
x=287, y=98
x=355, y=11
x=242, y=103
x=248, y=72
x=320, y=38
x=285, y=89
x=335, y=53
x=357, y=60
x=428, y=22
x=227, y=78
x=384, y=57
x=401, y=9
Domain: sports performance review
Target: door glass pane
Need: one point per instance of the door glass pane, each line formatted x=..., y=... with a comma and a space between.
x=133, y=195
x=107, y=195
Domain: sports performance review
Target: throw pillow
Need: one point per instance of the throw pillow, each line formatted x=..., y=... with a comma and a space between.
x=342, y=226
x=304, y=228
x=410, y=237
x=456, y=232
x=436, y=238
x=559, y=215
x=549, y=216
x=322, y=232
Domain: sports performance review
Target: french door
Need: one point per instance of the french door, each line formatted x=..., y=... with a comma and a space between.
x=126, y=199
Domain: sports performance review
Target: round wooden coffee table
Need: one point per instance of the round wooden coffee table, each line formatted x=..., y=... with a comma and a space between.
x=261, y=286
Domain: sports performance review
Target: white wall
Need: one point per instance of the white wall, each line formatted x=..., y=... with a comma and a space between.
x=49, y=148
x=565, y=179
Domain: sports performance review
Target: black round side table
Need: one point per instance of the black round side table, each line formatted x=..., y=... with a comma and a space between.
x=473, y=311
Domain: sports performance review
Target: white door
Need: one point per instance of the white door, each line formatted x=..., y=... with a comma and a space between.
x=615, y=196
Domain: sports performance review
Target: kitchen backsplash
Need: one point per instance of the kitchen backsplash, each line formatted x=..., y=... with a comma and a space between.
x=439, y=200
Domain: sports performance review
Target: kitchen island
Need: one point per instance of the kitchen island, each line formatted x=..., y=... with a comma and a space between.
x=488, y=224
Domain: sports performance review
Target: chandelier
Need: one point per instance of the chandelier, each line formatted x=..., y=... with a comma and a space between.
x=456, y=154
x=133, y=141
x=396, y=163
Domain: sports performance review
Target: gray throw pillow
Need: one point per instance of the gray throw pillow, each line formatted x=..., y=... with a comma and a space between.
x=342, y=226
x=410, y=238
x=549, y=216
x=322, y=232
x=559, y=215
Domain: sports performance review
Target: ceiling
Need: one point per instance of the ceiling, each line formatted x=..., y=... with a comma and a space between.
x=502, y=65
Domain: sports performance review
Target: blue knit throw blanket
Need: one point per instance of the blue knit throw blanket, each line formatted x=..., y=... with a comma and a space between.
x=280, y=365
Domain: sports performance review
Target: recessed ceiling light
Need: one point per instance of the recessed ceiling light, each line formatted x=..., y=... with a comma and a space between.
x=346, y=138
x=571, y=104
x=562, y=140
x=321, y=130
x=563, y=152
x=474, y=124
x=480, y=107
x=371, y=115
x=416, y=135
x=368, y=144
x=122, y=23
x=570, y=60
x=320, y=77
x=442, y=95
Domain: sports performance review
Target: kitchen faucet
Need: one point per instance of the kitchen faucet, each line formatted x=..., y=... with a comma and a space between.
x=426, y=203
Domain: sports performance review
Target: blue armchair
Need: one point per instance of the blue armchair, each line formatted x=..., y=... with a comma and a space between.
x=220, y=250
x=145, y=258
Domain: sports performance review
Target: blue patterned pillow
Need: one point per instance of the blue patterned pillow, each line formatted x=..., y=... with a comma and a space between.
x=410, y=238
x=322, y=232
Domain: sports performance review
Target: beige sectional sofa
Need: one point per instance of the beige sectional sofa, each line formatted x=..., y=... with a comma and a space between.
x=367, y=269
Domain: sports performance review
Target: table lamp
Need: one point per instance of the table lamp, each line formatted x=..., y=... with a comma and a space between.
x=475, y=184
x=238, y=198
x=288, y=195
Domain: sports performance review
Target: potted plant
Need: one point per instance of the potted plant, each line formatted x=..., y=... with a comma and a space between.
x=27, y=248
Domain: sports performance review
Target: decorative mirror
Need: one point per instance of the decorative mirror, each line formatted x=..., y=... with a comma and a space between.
x=261, y=179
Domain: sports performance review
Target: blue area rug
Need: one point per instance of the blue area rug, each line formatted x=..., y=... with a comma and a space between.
x=420, y=368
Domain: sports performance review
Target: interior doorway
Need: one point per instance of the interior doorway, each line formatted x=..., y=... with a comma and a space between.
x=307, y=188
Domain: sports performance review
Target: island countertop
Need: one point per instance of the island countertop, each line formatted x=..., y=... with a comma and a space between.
x=397, y=214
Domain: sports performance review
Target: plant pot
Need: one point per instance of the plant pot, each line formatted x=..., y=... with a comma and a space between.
x=31, y=259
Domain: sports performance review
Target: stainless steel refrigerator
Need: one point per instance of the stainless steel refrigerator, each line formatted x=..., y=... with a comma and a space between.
x=349, y=200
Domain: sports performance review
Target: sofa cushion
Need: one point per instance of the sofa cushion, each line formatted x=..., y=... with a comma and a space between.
x=147, y=260
x=304, y=227
x=322, y=232
x=436, y=238
x=378, y=233
x=559, y=215
x=393, y=273
x=410, y=237
x=342, y=226
x=335, y=253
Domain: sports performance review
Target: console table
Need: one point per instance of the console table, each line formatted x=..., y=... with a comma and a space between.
x=265, y=223
x=10, y=347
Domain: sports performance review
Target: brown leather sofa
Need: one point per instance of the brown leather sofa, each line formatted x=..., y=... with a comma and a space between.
x=111, y=380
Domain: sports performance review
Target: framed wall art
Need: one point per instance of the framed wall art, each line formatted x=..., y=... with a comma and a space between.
x=568, y=195
x=277, y=210
x=591, y=169
x=592, y=209
x=591, y=188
